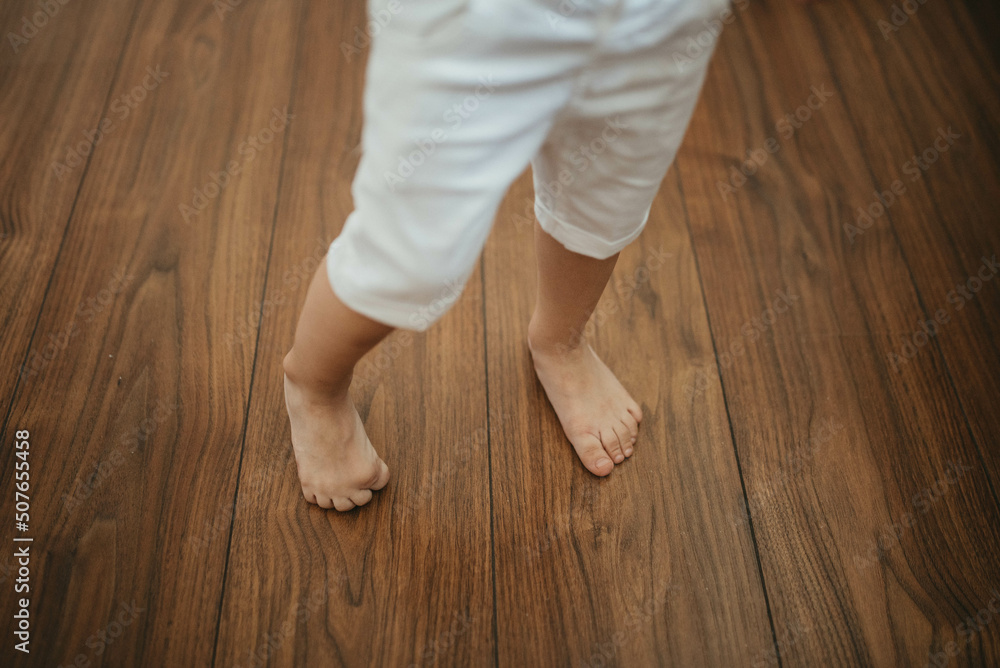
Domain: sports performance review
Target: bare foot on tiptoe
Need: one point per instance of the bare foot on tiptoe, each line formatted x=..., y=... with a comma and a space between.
x=338, y=467
x=599, y=416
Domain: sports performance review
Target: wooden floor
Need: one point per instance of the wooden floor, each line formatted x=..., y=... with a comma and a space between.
x=816, y=478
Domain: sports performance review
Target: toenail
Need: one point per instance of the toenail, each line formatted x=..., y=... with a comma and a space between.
x=619, y=458
x=601, y=463
x=628, y=452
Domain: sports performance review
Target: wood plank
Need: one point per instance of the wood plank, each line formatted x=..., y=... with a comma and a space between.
x=54, y=89
x=140, y=424
x=647, y=566
x=945, y=221
x=820, y=506
x=151, y=468
x=408, y=578
x=982, y=24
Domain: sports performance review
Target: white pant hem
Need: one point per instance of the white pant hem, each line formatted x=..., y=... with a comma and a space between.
x=582, y=241
x=393, y=314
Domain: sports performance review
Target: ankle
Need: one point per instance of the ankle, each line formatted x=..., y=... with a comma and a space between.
x=549, y=341
x=300, y=374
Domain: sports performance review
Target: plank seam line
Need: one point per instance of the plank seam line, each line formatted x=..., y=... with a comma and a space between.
x=729, y=420
x=489, y=465
x=260, y=320
x=69, y=219
x=909, y=270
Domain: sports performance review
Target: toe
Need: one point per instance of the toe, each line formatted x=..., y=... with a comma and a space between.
x=631, y=433
x=361, y=497
x=381, y=476
x=321, y=500
x=634, y=410
x=343, y=504
x=593, y=455
x=612, y=444
x=625, y=439
x=631, y=425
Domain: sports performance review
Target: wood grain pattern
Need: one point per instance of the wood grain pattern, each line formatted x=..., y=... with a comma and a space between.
x=799, y=497
x=947, y=230
x=829, y=568
x=56, y=83
x=139, y=421
x=627, y=569
x=409, y=580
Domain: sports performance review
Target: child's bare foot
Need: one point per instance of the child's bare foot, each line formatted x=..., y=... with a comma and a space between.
x=338, y=467
x=599, y=417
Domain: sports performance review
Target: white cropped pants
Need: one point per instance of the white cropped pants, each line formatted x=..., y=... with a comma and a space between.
x=462, y=95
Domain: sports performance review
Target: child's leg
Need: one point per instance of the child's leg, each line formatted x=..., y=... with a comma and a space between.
x=337, y=465
x=456, y=104
x=452, y=114
x=595, y=179
x=598, y=415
